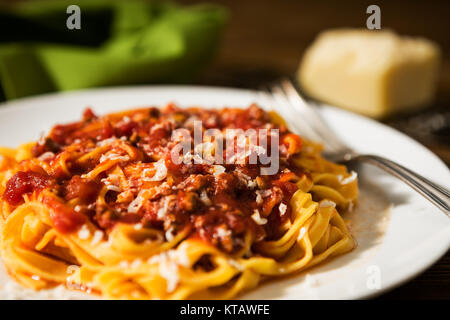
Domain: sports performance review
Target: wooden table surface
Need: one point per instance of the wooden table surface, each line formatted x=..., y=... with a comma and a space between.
x=265, y=39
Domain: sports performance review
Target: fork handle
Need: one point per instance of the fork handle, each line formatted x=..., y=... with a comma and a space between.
x=435, y=193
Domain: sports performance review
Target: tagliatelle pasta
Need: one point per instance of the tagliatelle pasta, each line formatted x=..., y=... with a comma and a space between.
x=132, y=205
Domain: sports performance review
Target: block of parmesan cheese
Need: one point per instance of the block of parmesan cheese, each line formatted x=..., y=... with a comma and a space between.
x=375, y=73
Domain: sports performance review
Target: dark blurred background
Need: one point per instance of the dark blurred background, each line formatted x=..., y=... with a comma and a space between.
x=265, y=39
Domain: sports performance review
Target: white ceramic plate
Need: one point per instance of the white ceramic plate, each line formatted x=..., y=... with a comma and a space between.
x=399, y=234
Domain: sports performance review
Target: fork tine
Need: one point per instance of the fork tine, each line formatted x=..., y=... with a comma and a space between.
x=277, y=100
x=299, y=116
x=300, y=123
x=267, y=98
x=315, y=120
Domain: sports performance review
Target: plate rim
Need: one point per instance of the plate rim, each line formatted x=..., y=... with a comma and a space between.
x=23, y=104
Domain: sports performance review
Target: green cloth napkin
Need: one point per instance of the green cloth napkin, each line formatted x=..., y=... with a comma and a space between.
x=120, y=42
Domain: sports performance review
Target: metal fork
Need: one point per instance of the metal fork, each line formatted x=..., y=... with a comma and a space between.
x=305, y=120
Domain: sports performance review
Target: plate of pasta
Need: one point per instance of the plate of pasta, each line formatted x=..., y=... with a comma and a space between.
x=175, y=192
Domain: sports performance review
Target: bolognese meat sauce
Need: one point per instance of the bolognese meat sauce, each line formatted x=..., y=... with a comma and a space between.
x=217, y=203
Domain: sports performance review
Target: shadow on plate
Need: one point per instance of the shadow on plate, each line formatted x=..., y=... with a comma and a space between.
x=368, y=223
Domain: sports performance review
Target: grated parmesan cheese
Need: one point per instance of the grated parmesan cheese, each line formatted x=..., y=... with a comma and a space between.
x=349, y=179
x=282, y=209
x=182, y=257
x=257, y=218
x=251, y=184
x=98, y=236
x=105, y=142
x=168, y=268
x=111, y=179
x=187, y=158
x=327, y=203
x=156, y=127
x=205, y=148
x=163, y=210
x=136, y=263
x=14, y=291
x=113, y=156
x=169, y=235
x=204, y=198
x=259, y=199
x=260, y=194
x=46, y=156
x=137, y=203
x=113, y=188
x=84, y=233
x=161, y=171
x=301, y=234
x=235, y=264
x=222, y=232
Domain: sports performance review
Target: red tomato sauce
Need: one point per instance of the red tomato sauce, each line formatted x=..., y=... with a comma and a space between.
x=23, y=183
x=215, y=207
